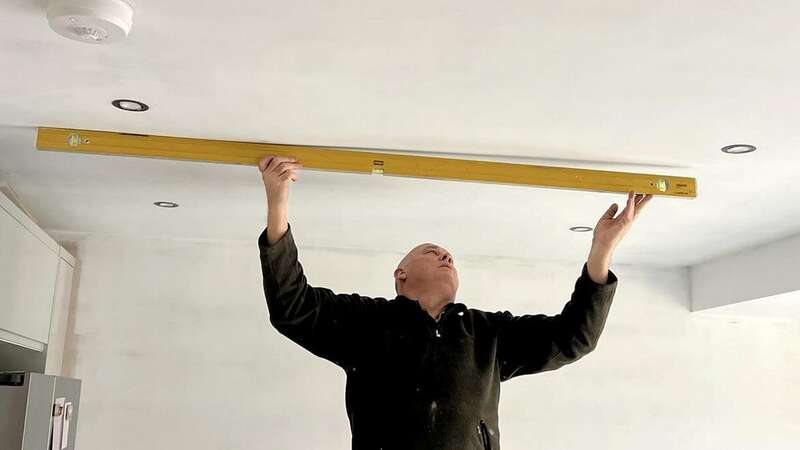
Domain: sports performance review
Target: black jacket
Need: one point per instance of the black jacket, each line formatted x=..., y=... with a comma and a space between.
x=418, y=383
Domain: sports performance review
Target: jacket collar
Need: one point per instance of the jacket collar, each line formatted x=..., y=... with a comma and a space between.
x=448, y=308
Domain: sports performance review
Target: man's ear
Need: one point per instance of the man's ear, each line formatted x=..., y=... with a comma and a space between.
x=399, y=274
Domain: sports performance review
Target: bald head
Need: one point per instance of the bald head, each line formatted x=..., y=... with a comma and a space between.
x=412, y=252
x=427, y=271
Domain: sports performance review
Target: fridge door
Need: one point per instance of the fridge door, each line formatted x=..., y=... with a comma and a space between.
x=68, y=389
x=26, y=407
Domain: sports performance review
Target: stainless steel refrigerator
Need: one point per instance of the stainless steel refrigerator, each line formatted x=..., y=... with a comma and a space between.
x=37, y=411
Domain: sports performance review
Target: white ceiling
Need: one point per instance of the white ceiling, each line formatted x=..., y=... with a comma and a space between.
x=617, y=85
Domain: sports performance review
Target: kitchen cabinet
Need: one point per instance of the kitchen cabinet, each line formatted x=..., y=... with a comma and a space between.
x=35, y=285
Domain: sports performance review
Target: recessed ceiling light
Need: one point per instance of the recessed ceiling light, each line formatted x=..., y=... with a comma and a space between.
x=737, y=149
x=580, y=229
x=130, y=105
x=166, y=204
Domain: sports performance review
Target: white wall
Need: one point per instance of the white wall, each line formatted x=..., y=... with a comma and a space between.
x=729, y=278
x=173, y=345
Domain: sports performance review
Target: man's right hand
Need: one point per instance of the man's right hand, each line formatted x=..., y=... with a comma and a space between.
x=276, y=171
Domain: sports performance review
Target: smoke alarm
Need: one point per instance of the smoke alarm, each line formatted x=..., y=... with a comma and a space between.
x=91, y=21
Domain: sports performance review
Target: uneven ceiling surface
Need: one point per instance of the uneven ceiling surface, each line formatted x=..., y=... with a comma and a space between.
x=612, y=85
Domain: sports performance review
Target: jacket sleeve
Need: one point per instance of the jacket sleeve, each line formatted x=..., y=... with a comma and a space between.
x=331, y=326
x=536, y=343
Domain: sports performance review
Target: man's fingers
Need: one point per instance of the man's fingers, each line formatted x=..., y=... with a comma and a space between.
x=262, y=165
x=289, y=174
x=611, y=211
x=629, y=207
x=643, y=203
x=284, y=166
x=271, y=161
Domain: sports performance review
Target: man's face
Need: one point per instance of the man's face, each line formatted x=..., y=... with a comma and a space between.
x=429, y=267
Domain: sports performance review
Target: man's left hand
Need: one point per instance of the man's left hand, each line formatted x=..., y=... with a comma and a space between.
x=609, y=230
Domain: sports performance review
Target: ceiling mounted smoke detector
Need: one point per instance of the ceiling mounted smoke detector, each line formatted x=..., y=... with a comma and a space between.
x=91, y=21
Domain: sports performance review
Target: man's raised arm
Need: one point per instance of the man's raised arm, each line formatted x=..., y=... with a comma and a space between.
x=536, y=343
x=329, y=325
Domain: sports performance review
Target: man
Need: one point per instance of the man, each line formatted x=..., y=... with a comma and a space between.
x=424, y=372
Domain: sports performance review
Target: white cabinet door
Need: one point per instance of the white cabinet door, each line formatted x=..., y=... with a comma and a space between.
x=27, y=280
x=58, y=325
